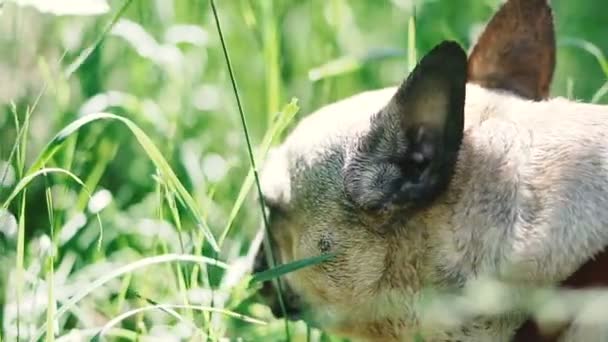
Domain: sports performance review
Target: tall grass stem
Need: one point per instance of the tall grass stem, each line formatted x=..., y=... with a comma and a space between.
x=268, y=251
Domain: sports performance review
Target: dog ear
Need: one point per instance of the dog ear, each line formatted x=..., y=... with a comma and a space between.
x=516, y=51
x=408, y=156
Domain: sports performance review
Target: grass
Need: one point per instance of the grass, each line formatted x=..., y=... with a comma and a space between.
x=133, y=171
x=272, y=99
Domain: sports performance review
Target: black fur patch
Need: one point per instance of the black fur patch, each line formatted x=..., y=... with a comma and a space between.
x=408, y=157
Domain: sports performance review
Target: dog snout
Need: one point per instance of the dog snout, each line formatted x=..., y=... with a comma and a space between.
x=292, y=311
x=260, y=263
x=270, y=295
x=291, y=302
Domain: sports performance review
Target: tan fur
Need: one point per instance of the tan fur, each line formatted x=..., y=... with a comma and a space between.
x=527, y=203
x=550, y=167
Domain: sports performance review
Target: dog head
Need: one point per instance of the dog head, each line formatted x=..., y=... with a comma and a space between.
x=338, y=181
x=356, y=178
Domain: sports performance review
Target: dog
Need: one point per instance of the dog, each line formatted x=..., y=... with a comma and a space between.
x=465, y=175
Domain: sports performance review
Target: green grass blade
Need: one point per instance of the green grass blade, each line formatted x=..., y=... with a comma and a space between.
x=20, y=149
x=78, y=334
x=151, y=150
x=283, y=269
x=249, y=152
x=20, y=262
x=84, y=55
x=189, y=320
x=589, y=48
x=284, y=118
x=50, y=309
x=600, y=93
x=14, y=149
x=412, y=57
x=25, y=181
x=107, y=151
x=158, y=259
x=348, y=64
x=271, y=58
x=166, y=307
x=50, y=271
x=336, y=67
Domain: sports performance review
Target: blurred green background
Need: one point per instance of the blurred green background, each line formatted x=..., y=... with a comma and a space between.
x=160, y=64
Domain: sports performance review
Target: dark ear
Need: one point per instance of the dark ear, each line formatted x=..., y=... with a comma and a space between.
x=516, y=51
x=408, y=156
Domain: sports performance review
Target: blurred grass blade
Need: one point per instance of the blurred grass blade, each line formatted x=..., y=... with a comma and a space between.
x=25, y=181
x=600, y=93
x=340, y=66
x=168, y=310
x=158, y=259
x=348, y=64
x=5, y=170
x=119, y=334
x=283, y=120
x=272, y=62
x=67, y=7
x=52, y=325
x=84, y=55
x=412, y=57
x=591, y=49
x=280, y=270
x=252, y=162
x=165, y=307
x=20, y=262
x=151, y=150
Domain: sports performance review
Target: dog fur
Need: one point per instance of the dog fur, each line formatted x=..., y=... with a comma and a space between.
x=464, y=173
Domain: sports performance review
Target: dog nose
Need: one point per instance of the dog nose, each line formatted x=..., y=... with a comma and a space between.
x=260, y=264
x=292, y=312
x=270, y=295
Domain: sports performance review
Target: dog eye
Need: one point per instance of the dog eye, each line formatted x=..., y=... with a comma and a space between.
x=325, y=243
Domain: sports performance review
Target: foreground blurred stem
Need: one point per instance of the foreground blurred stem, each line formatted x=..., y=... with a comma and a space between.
x=271, y=59
x=268, y=251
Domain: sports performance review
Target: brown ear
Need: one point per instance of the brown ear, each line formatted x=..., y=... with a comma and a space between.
x=516, y=51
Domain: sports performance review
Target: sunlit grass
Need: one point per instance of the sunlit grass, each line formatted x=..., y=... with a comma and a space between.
x=65, y=307
x=252, y=161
